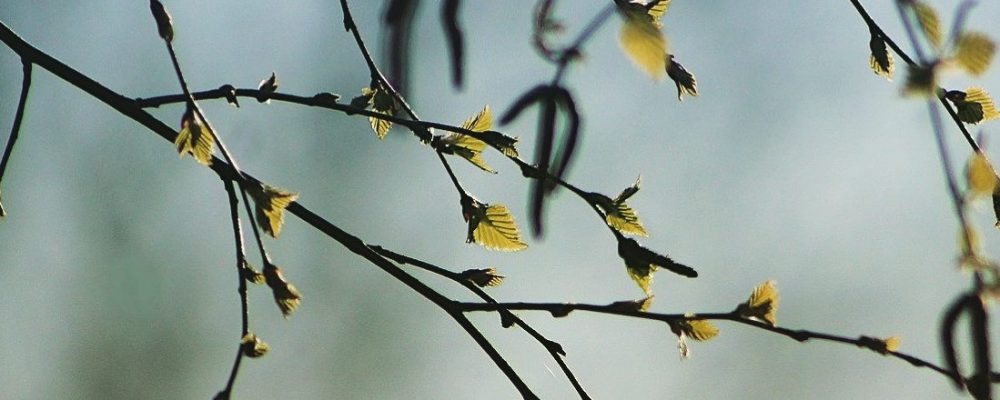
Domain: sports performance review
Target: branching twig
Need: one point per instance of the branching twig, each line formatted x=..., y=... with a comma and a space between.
x=15, y=129
x=507, y=318
x=801, y=335
x=241, y=269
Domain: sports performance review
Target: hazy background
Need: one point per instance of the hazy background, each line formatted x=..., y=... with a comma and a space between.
x=796, y=164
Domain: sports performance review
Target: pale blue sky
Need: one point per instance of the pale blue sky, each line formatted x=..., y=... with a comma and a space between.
x=796, y=164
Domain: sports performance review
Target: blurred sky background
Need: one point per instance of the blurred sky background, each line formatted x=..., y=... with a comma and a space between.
x=796, y=163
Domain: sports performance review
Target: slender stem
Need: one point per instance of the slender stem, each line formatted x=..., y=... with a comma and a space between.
x=377, y=76
x=197, y=110
x=15, y=129
x=554, y=349
x=800, y=335
x=241, y=275
x=264, y=258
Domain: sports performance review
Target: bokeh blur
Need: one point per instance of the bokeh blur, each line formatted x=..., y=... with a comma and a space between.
x=796, y=163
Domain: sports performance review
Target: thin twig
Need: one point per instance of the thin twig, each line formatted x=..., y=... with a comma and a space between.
x=130, y=108
x=801, y=335
x=377, y=76
x=553, y=348
x=15, y=129
x=241, y=275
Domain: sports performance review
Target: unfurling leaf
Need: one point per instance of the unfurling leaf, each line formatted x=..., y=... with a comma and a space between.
x=618, y=214
x=641, y=263
x=697, y=329
x=468, y=147
x=266, y=87
x=974, y=52
x=880, y=60
x=642, y=274
x=642, y=40
x=483, y=277
x=682, y=78
x=640, y=305
x=164, y=25
x=980, y=176
x=929, y=22
x=881, y=346
x=251, y=274
x=252, y=346
x=285, y=294
x=194, y=138
x=973, y=106
x=271, y=203
x=762, y=304
x=491, y=226
x=921, y=81
x=381, y=101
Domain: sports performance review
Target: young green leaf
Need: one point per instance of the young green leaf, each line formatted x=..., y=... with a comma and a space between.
x=252, y=346
x=270, y=206
x=618, y=214
x=378, y=98
x=697, y=329
x=491, y=226
x=483, y=277
x=642, y=40
x=974, y=52
x=880, y=60
x=973, y=106
x=286, y=295
x=762, y=304
x=640, y=305
x=656, y=9
x=194, y=138
x=929, y=22
x=980, y=176
x=469, y=147
x=642, y=274
x=682, y=78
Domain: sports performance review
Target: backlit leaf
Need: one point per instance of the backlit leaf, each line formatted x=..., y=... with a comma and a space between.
x=892, y=343
x=194, y=138
x=973, y=106
x=286, y=295
x=492, y=226
x=979, y=175
x=881, y=346
x=683, y=79
x=697, y=329
x=762, y=304
x=468, y=147
x=380, y=101
x=656, y=9
x=642, y=274
x=252, y=346
x=979, y=96
x=270, y=207
x=929, y=22
x=633, y=305
x=483, y=277
x=974, y=52
x=642, y=40
x=622, y=217
x=880, y=59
